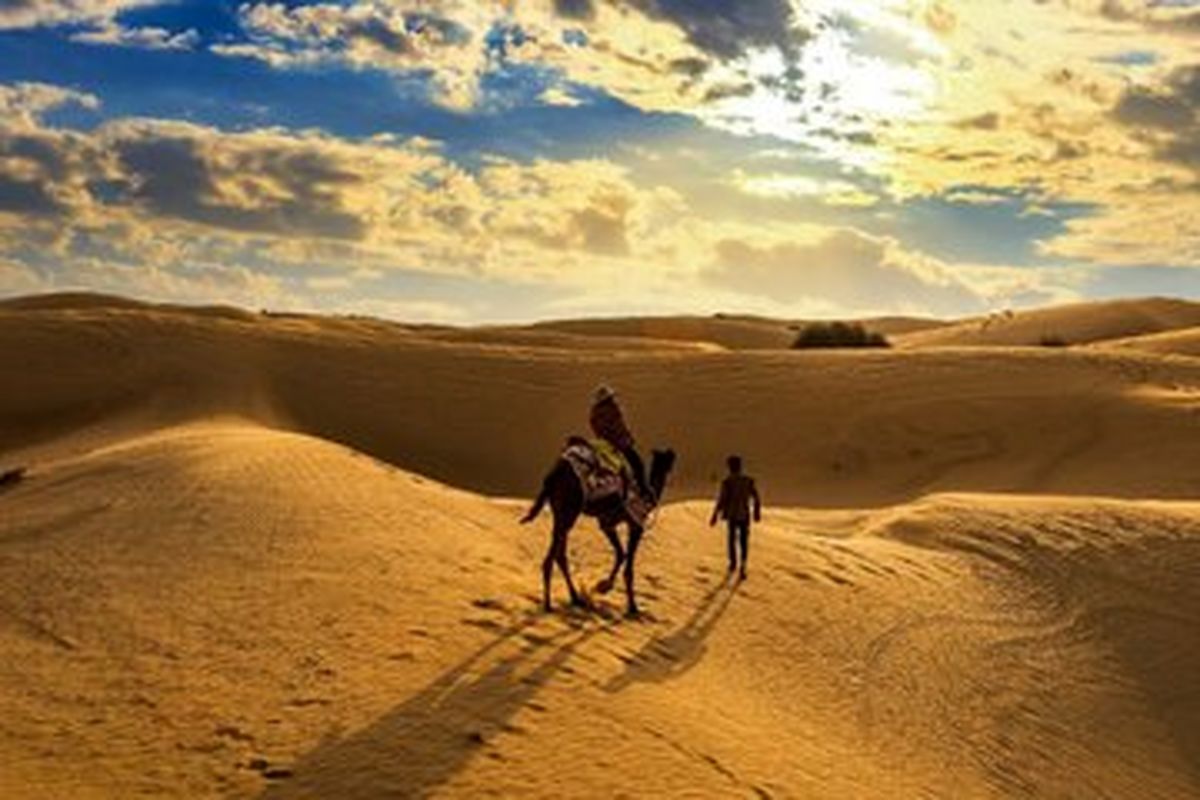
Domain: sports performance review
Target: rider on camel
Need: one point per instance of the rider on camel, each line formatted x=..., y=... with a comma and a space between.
x=608, y=423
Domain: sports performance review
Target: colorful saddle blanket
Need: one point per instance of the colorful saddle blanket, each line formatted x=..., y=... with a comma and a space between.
x=601, y=469
x=604, y=474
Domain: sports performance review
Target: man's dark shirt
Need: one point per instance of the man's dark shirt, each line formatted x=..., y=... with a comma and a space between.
x=737, y=493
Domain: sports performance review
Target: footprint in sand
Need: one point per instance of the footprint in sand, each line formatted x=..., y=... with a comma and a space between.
x=305, y=702
x=264, y=768
x=232, y=732
x=484, y=624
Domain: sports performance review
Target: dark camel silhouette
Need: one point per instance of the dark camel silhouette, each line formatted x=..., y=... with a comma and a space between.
x=562, y=490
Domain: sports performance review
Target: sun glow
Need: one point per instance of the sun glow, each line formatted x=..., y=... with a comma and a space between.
x=835, y=94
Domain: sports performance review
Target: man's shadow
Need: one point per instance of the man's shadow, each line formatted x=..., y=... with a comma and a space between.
x=665, y=658
x=423, y=742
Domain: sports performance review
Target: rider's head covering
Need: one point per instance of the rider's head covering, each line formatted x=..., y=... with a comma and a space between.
x=603, y=392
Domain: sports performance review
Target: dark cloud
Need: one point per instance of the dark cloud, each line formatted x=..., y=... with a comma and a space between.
x=693, y=68
x=601, y=230
x=40, y=169
x=724, y=91
x=1169, y=115
x=33, y=197
x=281, y=190
x=581, y=10
x=726, y=30
x=1174, y=20
x=599, y=226
x=1147, y=108
x=989, y=121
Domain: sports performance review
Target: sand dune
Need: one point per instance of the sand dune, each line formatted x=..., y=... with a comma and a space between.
x=828, y=429
x=1079, y=323
x=733, y=333
x=729, y=332
x=1184, y=342
x=226, y=609
x=208, y=585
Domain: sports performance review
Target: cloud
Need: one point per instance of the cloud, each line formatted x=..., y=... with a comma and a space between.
x=788, y=186
x=846, y=268
x=189, y=209
x=15, y=14
x=729, y=30
x=559, y=96
x=1170, y=114
x=18, y=279
x=1155, y=15
x=148, y=38
x=444, y=38
x=1057, y=119
x=288, y=214
x=94, y=22
x=660, y=55
x=41, y=171
x=156, y=194
x=259, y=182
x=579, y=10
x=22, y=103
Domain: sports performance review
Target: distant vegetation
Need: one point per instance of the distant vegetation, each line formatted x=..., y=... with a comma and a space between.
x=820, y=335
x=1051, y=340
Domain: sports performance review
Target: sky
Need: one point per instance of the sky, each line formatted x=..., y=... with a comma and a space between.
x=449, y=161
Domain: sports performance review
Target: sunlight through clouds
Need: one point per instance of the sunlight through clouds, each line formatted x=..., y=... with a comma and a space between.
x=962, y=156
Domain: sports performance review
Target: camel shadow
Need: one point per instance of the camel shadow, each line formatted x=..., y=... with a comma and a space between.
x=422, y=743
x=667, y=657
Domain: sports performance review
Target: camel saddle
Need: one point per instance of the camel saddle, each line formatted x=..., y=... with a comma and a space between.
x=604, y=475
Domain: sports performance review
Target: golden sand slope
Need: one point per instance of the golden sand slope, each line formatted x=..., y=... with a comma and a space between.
x=1182, y=343
x=1079, y=323
x=729, y=332
x=224, y=609
x=203, y=593
x=828, y=429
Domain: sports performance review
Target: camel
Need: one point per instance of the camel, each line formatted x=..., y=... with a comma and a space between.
x=562, y=490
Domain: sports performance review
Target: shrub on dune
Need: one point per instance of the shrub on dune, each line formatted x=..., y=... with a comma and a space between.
x=821, y=335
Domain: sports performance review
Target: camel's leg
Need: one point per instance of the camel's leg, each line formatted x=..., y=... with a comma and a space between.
x=561, y=558
x=548, y=569
x=605, y=586
x=635, y=538
x=566, y=504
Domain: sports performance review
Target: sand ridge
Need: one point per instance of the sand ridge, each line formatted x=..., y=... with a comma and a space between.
x=1072, y=324
x=1185, y=342
x=829, y=429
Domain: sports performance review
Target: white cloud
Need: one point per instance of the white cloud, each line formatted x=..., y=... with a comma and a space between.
x=148, y=38
x=15, y=14
x=854, y=272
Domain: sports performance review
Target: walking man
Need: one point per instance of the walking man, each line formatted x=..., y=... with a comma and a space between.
x=734, y=504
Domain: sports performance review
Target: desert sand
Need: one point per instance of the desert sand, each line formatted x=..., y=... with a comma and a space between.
x=1080, y=323
x=1185, y=342
x=278, y=556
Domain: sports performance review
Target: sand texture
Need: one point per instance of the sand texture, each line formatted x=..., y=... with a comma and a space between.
x=278, y=556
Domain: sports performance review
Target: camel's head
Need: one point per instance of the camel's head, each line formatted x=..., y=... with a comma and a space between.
x=661, y=464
